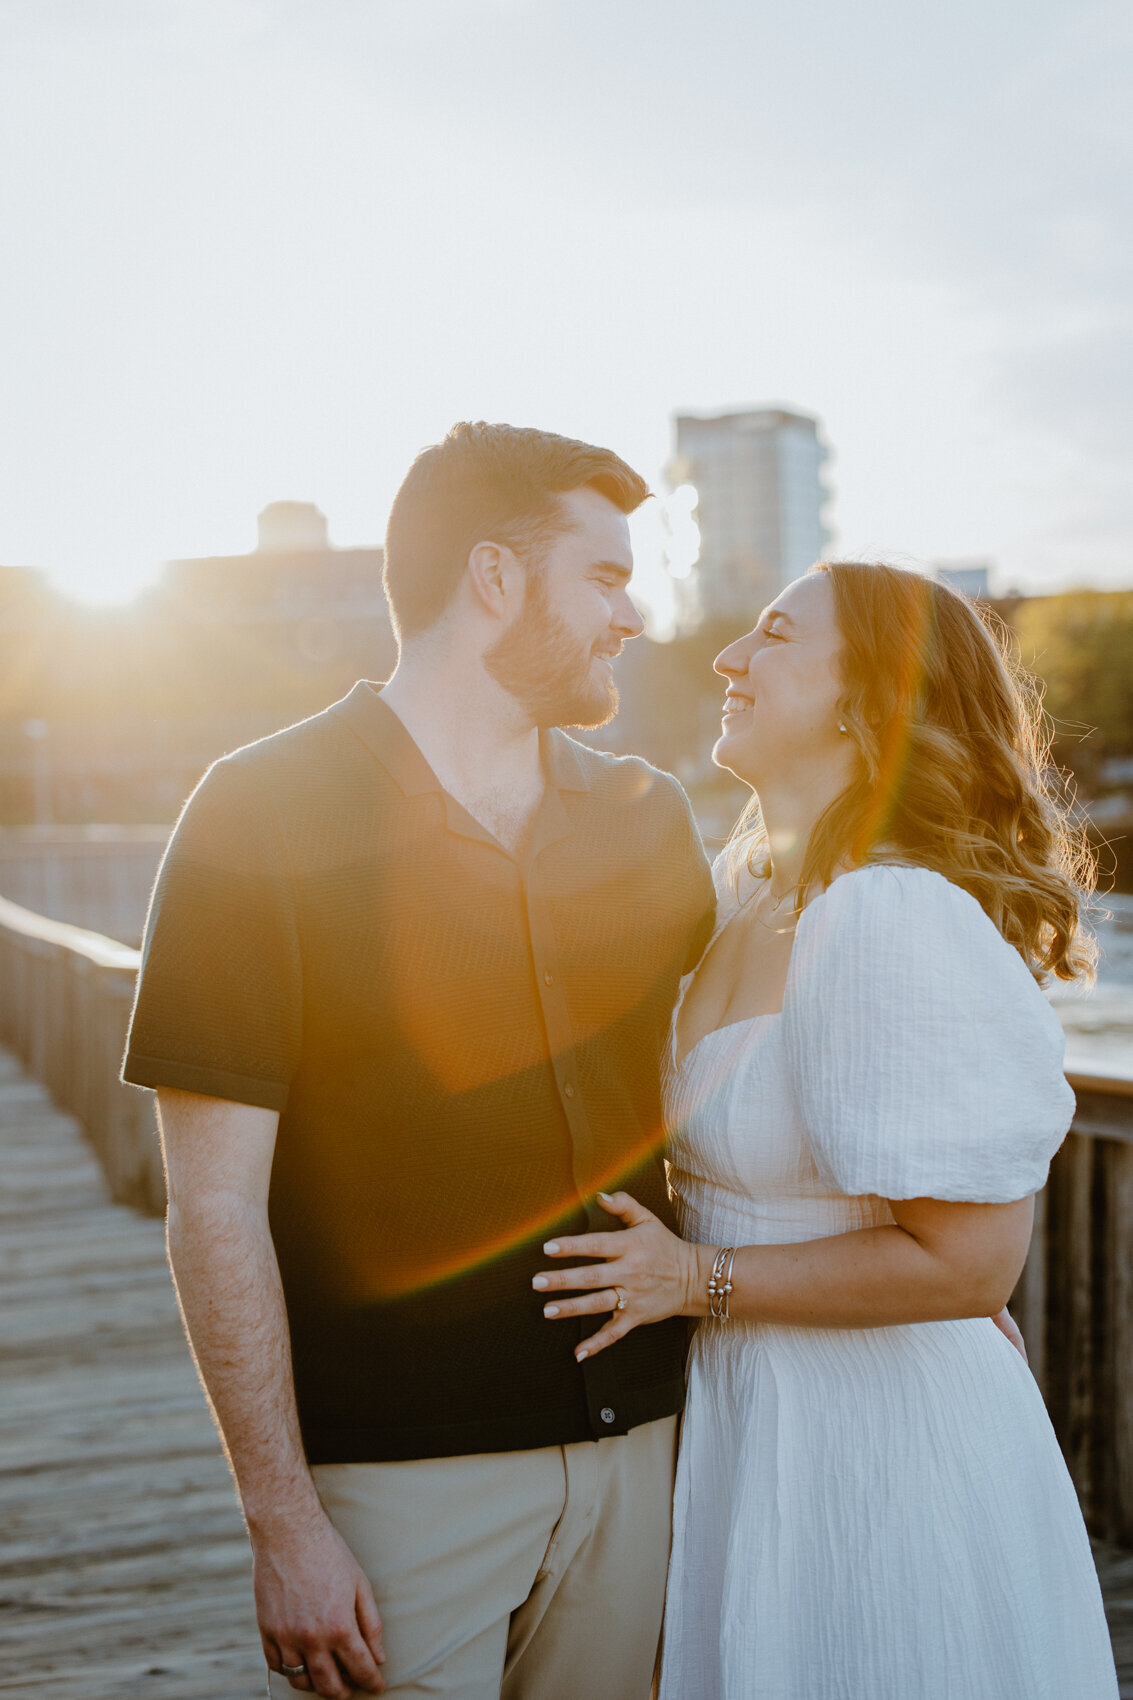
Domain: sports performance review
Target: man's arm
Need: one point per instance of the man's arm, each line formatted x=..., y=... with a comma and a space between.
x=315, y=1606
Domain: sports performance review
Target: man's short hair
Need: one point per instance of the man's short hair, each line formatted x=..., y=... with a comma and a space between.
x=486, y=484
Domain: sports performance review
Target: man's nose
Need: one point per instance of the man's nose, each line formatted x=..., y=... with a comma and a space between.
x=627, y=620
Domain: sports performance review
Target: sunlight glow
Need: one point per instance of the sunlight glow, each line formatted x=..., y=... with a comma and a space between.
x=202, y=316
x=380, y=1276
x=682, y=547
x=104, y=584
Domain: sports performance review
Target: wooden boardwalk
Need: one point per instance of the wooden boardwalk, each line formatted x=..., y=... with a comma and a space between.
x=124, y=1569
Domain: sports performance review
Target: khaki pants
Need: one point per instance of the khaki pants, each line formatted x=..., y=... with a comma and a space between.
x=527, y=1575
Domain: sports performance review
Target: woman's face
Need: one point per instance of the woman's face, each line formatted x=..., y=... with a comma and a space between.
x=781, y=712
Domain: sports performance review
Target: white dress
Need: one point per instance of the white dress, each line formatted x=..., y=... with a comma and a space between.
x=877, y=1514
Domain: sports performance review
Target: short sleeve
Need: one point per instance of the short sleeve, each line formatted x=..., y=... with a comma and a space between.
x=927, y=1062
x=218, y=1005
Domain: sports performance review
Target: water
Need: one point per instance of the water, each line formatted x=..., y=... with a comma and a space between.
x=1099, y=1021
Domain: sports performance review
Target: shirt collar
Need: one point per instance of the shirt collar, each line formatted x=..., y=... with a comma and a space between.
x=388, y=738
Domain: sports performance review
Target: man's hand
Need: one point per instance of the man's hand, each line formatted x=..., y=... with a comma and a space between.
x=316, y=1608
x=1006, y=1324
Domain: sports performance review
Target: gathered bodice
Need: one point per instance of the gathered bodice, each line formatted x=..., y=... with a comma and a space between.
x=740, y=1167
x=914, y=1057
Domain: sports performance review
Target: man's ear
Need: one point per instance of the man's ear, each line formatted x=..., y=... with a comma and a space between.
x=496, y=577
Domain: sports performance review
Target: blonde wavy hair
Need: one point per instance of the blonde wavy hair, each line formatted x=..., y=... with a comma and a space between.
x=954, y=771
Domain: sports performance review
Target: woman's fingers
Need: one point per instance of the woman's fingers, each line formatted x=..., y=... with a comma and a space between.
x=585, y=1245
x=592, y=1305
x=630, y=1269
x=572, y=1280
x=613, y=1330
x=635, y=1215
x=623, y=1204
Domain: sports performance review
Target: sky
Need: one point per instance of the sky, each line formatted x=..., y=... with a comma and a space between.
x=254, y=250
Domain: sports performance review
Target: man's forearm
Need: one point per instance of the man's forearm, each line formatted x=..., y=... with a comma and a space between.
x=314, y=1606
x=228, y=1286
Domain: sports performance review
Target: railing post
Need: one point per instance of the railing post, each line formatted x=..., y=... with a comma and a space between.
x=1119, y=1309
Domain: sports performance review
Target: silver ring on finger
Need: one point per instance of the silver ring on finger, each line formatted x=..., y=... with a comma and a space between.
x=292, y=1670
x=622, y=1299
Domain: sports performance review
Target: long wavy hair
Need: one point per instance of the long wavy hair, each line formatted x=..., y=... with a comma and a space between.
x=954, y=771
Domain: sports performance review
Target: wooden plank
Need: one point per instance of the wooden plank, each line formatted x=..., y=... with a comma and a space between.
x=1115, y=1572
x=1119, y=1306
x=151, y=1384
x=124, y=1565
x=1068, y=1365
x=180, y=1675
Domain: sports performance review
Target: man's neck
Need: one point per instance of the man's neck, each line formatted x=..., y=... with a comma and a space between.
x=474, y=737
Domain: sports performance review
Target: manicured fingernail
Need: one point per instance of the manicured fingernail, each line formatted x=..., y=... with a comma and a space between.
x=551, y=1247
x=580, y=1354
x=540, y=1281
x=550, y=1310
x=606, y=1197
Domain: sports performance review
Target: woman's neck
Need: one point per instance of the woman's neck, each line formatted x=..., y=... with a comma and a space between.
x=789, y=819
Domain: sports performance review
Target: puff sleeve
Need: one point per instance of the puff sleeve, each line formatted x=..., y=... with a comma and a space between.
x=927, y=1062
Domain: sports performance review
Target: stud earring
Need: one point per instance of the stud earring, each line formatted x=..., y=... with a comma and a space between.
x=844, y=729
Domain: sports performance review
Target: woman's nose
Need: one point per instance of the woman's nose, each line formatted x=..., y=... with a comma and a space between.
x=734, y=659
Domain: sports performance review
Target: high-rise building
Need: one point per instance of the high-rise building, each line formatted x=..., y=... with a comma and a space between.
x=760, y=496
x=972, y=578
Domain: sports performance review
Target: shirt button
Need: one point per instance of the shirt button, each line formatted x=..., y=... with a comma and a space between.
x=606, y=1414
x=568, y=1089
x=548, y=977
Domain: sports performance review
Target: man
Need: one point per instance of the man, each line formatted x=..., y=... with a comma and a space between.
x=407, y=980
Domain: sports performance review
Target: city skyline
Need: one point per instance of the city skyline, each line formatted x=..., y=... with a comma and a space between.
x=262, y=250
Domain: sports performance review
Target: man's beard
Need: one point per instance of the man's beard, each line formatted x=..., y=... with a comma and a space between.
x=542, y=666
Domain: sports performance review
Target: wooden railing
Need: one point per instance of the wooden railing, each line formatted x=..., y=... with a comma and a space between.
x=65, y=997
x=97, y=877
x=1074, y=1302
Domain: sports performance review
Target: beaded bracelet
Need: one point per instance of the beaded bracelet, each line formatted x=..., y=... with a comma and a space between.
x=720, y=1284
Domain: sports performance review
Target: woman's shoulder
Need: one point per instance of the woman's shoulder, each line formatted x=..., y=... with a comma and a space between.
x=928, y=1061
x=898, y=910
x=884, y=891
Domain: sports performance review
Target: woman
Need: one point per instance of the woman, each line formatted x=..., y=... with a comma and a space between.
x=864, y=1094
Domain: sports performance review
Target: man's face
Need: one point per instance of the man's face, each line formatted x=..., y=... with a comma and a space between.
x=556, y=657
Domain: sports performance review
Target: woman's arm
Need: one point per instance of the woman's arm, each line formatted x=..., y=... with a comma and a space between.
x=934, y=1262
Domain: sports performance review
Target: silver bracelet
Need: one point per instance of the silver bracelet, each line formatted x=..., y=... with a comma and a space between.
x=720, y=1284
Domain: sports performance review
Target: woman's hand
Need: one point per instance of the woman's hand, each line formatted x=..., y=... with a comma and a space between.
x=648, y=1274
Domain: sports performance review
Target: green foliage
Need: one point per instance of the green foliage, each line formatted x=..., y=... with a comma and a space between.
x=1080, y=645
